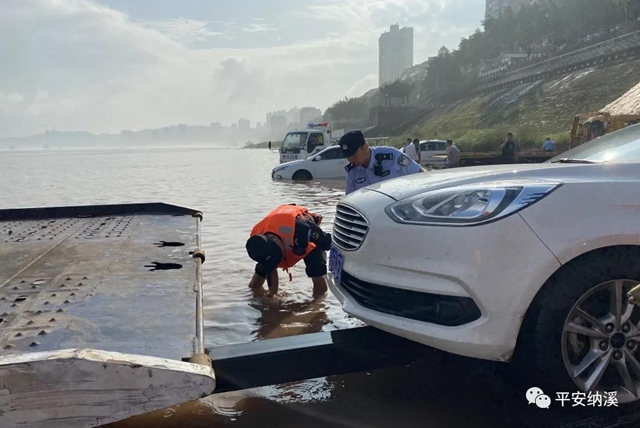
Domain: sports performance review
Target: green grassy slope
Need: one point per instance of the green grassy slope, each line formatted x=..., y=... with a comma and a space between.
x=531, y=111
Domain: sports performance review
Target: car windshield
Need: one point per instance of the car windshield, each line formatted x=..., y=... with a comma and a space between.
x=295, y=140
x=620, y=146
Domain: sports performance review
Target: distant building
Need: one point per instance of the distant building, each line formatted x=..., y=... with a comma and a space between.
x=308, y=114
x=216, y=126
x=290, y=116
x=395, y=53
x=182, y=128
x=244, y=124
x=443, y=51
x=278, y=126
x=493, y=8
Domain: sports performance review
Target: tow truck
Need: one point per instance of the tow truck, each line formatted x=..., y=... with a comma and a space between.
x=301, y=144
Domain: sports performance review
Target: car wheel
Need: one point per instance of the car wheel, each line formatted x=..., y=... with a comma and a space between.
x=302, y=175
x=581, y=334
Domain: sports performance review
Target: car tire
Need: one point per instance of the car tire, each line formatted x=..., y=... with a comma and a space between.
x=548, y=345
x=302, y=175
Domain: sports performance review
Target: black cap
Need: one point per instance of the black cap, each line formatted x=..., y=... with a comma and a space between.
x=265, y=251
x=351, y=142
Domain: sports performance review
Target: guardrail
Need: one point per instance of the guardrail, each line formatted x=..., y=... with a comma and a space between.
x=607, y=51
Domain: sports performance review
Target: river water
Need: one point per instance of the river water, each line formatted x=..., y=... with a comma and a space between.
x=234, y=190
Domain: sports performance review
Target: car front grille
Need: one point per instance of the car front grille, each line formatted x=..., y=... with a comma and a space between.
x=349, y=228
x=433, y=308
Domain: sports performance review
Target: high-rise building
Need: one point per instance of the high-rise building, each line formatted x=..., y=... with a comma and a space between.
x=494, y=7
x=244, y=124
x=396, y=53
x=308, y=114
x=277, y=125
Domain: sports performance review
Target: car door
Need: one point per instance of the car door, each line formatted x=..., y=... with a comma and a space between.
x=329, y=163
x=441, y=151
x=427, y=149
x=315, y=142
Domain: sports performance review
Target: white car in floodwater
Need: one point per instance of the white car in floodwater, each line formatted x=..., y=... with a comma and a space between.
x=327, y=164
x=527, y=263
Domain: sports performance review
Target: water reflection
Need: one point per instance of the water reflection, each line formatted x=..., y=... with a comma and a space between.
x=281, y=317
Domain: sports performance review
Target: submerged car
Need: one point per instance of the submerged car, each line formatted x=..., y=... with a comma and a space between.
x=524, y=263
x=326, y=164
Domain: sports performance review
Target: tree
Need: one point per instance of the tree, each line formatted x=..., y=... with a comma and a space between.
x=348, y=110
x=624, y=5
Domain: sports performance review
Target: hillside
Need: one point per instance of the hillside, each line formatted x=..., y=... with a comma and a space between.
x=532, y=111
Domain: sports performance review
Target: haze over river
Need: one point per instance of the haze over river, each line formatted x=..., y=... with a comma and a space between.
x=234, y=190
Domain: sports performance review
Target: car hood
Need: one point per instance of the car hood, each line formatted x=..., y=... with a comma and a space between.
x=410, y=185
x=291, y=163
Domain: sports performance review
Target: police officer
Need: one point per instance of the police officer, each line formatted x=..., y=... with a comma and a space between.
x=370, y=165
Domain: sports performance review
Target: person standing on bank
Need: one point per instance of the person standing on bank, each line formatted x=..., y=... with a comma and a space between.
x=508, y=149
x=288, y=234
x=453, y=155
x=405, y=145
x=549, y=145
x=413, y=151
x=370, y=165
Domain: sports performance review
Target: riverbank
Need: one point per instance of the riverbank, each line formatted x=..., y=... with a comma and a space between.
x=532, y=111
x=263, y=145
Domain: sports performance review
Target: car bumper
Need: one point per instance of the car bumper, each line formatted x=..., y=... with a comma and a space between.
x=498, y=266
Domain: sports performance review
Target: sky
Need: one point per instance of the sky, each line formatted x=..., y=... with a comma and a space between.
x=109, y=65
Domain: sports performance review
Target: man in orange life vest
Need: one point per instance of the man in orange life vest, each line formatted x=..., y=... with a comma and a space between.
x=289, y=233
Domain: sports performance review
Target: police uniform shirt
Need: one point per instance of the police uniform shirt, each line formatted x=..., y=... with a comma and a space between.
x=397, y=165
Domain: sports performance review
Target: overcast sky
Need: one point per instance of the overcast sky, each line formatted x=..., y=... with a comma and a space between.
x=104, y=66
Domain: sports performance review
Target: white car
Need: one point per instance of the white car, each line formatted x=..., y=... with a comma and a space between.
x=433, y=153
x=327, y=164
x=525, y=263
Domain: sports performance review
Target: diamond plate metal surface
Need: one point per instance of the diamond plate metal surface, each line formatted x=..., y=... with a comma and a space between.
x=71, y=278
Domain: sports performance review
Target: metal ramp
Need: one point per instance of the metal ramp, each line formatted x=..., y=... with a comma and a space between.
x=117, y=286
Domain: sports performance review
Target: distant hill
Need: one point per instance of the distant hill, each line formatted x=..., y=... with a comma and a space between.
x=170, y=135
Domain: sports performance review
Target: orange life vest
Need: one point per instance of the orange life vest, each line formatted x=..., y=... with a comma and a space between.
x=282, y=222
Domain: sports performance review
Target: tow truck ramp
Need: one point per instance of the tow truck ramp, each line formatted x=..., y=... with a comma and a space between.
x=100, y=306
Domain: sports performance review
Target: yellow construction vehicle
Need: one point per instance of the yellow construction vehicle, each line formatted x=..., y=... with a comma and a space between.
x=620, y=113
x=587, y=126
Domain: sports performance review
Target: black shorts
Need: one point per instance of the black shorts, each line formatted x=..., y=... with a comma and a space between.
x=315, y=262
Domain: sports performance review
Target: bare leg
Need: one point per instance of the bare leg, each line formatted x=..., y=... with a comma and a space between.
x=319, y=286
x=256, y=282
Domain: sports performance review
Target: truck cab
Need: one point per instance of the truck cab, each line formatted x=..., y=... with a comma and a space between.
x=302, y=144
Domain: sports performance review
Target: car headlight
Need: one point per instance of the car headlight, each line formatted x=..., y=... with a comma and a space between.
x=280, y=168
x=469, y=205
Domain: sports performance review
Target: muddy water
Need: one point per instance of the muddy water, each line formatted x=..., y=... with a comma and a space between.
x=234, y=190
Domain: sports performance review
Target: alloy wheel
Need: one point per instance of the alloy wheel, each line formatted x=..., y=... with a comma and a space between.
x=601, y=341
